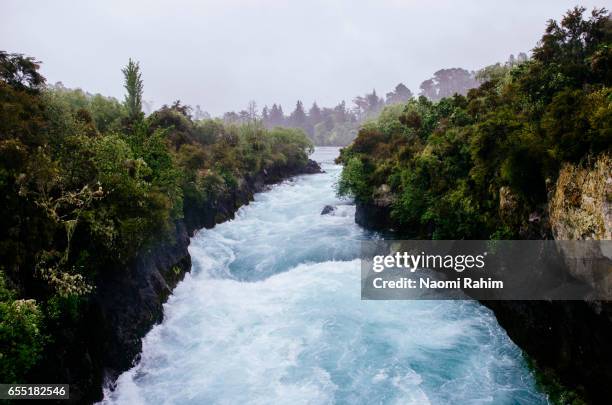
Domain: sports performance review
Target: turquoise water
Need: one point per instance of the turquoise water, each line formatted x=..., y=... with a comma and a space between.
x=271, y=313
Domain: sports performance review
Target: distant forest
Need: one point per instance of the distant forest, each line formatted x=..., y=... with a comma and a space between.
x=327, y=126
x=338, y=125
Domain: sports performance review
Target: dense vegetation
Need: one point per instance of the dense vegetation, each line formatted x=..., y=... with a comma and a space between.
x=88, y=183
x=481, y=166
x=338, y=125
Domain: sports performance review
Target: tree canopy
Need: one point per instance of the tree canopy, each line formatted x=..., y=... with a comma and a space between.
x=89, y=183
x=480, y=165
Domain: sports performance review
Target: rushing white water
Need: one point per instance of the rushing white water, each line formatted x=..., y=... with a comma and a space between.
x=271, y=313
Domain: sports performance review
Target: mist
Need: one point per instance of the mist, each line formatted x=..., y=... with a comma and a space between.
x=221, y=55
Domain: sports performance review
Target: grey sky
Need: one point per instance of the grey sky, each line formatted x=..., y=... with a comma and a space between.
x=221, y=54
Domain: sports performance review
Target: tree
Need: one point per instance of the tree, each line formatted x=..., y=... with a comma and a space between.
x=579, y=46
x=200, y=114
x=314, y=114
x=231, y=117
x=368, y=105
x=375, y=103
x=340, y=113
x=20, y=72
x=244, y=116
x=133, y=86
x=400, y=94
x=428, y=89
x=252, y=110
x=297, y=118
x=447, y=82
x=277, y=118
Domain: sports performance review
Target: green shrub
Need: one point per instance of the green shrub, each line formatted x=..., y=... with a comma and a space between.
x=20, y=335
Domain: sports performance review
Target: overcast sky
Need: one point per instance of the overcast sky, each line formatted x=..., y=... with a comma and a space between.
x=221, y=54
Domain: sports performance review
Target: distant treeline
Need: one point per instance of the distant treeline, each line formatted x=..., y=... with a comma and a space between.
x=339, y=125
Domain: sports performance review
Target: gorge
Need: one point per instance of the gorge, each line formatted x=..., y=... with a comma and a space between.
x=271, y=312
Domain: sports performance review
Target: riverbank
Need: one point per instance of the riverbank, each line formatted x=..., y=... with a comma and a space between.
x=271, y=313
x=99, y=203
x=128, y=302
x=567, y=342
x=521, y=157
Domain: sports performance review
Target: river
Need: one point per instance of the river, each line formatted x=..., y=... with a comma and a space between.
x=271, y=314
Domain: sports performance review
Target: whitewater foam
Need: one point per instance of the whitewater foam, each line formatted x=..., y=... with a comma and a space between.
x=271, y=313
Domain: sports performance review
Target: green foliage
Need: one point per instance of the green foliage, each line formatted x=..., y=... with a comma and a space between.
x=326, y=126
x=448, y=162
x=290, y=145
x=20, y=72
x=88, y=184
x=207, y=132
x=105, y=112
x=20, y=335
x=133, y=87
x=354, y=180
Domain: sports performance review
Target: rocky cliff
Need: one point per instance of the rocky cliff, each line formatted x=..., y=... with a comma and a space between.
x=567, y=340
x=127, y=302
x=571, y=339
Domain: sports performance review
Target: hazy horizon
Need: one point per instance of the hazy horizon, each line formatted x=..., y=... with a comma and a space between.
x=221, y=55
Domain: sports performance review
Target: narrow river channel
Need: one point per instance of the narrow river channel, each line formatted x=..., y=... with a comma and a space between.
x=271, y=314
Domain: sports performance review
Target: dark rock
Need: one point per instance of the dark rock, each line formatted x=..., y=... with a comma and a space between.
x=124, y=306
x=127, y=302
x=328, y=209
x=372, y=216
x=567, y=339
x=312, y=167
x=571, y=339
x=224, y=207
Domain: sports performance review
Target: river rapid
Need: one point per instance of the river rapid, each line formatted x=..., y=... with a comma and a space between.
x=271, y=314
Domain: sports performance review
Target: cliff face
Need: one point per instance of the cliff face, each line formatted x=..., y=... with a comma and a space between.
x=223, y=208
x=581, y=204
x=127, y=302
x=569, y=340
x=572, y=339
x=377, y=214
